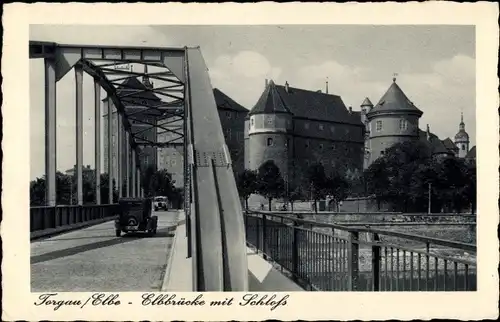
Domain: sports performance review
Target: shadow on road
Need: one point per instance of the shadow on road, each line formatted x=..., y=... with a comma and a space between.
x=164, y=232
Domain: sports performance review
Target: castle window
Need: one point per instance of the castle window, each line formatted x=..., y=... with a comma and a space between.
x=172, y=162
x=332, y=129
x=307, y=143
x=403, y=124
x=463, y=147
x=334, y=147
x=287, y=142
x=269, y=141
x=321, y=127
x=270, y=120
x=379, y=126
x=228, y=114
x=321, y=146
x=307, y=163
x=251, y=121
x=306, y=126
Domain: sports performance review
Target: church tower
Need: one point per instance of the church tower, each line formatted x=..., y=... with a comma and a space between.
x=462, y=139
x=393, y=120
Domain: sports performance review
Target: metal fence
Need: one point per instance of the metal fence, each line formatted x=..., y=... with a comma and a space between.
x=47, y=217
x=330, y=257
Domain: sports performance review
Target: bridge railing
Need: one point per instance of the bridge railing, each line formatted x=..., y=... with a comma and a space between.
x=330, y=257
x=48, y=217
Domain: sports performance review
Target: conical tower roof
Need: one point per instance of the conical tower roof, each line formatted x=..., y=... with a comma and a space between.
x=395, y=100
x=270, y=102
x=367, y=102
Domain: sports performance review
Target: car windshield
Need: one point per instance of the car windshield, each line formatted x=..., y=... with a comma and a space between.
x=160, y=199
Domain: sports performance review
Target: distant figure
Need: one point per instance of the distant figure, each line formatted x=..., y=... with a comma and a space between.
x=261, y=206
x=283, y=208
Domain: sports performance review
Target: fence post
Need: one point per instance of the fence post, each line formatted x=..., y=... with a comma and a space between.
x=264, y=235
x=353, y=264
x=295, y=251
x=376, y=263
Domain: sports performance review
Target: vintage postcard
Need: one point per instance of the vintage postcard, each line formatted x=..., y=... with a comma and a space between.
x=214, y=162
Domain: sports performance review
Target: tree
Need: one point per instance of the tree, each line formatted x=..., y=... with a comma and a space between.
x=247, y=184
x=161, y=183
x=270, y=183
x=316, y=178
x=337, y=187
x=296, y=193
x=146, y=179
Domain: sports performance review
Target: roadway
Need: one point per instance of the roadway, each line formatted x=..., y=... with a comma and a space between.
x=94, y=259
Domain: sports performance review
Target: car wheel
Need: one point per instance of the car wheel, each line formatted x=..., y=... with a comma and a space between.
x=118, y=233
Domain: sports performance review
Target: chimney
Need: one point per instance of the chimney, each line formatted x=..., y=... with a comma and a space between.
x=428, y=133
x=350, y=109
x=327, y=85
x=286, y=87
x=267, y=82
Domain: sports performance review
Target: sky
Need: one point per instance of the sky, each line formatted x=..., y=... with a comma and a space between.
x=435, y=67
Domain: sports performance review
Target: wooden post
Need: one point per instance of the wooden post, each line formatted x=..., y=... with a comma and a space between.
x=376, y=264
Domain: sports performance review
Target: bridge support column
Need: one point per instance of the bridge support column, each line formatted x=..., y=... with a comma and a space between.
x=50, y=132
x=79, y=132
x=110, y=151
x=138, y=180
x=119, y=156
x=127, y=165
x=97, y=145
x=133, y=184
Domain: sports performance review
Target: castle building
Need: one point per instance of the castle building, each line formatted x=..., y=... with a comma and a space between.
x=297, y=128
x=232, y=118
x=135, y=97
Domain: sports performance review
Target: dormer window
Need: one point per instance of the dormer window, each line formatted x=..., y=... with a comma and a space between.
x=378, y=125
x=269, y=141
x=307, y=143
x=228, y=114
x=269, y=120
x=321, y=146
x=321, y=127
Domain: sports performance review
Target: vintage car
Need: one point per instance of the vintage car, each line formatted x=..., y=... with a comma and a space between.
x=160, y=202
x=134, y=215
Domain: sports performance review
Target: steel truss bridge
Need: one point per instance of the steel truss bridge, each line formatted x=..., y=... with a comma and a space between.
x=214, y=221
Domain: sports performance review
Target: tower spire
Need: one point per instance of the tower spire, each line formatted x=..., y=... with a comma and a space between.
x=394, y=77
x=462, y=124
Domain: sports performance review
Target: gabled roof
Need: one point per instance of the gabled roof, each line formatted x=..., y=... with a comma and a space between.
x=395, y=100
x=303, y=103
x=131, y=85
x=225, y=102
x=448, y=143
x=435, y=144
x=471, y=154
x=270, y=101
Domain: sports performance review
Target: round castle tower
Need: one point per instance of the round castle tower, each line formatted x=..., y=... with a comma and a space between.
x=269, y=125
x=462, y=139
x=393, y=120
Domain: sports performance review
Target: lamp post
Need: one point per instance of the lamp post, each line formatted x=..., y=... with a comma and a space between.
x=429, y=206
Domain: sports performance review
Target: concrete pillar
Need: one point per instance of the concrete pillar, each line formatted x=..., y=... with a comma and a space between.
x=119, y=142
x=133, y=184
x=97, y=145
x=110, y=151
x=79, y=133
x=127, y=164
x=50, y=132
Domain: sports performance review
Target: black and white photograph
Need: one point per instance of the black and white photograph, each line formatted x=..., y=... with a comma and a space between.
x=344, y=157
x=277, y=158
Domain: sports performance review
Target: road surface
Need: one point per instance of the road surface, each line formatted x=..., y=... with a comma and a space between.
x=93, y=259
